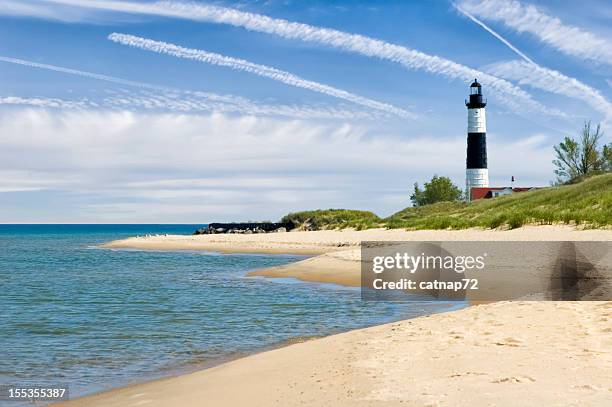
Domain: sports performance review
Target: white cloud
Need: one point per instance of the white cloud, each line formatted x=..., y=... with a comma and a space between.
x=529, y=73
x=122, y=100
x=257, y=69
x=46, y=11
x=536, y=76
x=45, y=102
x=27, y=180
x=114, y=166
x=150, y=96
x=193, y=102
x=521, y=17
x=513, y=97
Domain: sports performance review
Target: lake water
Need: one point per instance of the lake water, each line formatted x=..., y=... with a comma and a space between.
x=93, y=318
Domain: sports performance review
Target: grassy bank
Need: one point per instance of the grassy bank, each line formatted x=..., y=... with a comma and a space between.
x=588, y=204
x=323, y=219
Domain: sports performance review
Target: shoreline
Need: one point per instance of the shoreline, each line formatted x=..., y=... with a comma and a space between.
x=179, y=372
x=429, y=360
x=335, y=255
x=531, y=347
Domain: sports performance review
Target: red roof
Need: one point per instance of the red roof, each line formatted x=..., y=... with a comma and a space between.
x=480, y=193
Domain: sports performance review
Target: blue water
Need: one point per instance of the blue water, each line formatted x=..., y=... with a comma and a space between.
x=94, y=318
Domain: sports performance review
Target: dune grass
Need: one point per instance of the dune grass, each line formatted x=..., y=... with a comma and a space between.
x=325, y=219
x=587, y=204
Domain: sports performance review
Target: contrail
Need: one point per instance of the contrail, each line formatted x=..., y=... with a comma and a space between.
x=257, y=69
x=570, y=40
x=539, y=77
x=119, y=81
x=189, y=101
x=513, y=96
x=493, y=33
x=92, y=75
x=532, y=74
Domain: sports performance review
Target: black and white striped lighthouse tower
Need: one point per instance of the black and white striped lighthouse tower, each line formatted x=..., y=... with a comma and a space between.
x=476, y=173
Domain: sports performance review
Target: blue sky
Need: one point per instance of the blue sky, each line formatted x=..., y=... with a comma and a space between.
x=195, y=142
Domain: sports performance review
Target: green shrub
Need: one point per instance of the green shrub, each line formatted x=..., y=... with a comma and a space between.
x=333, y=219
x=517, y=220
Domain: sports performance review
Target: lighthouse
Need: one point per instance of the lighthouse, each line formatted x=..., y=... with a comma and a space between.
x=476, y=173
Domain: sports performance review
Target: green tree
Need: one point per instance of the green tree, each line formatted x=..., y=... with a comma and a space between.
x=578, y=158
x=439, y=189
x=607, y=157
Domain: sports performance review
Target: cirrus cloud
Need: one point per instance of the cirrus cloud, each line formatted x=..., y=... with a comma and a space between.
x=119, y=166
x=510, y=95
x=550, y=30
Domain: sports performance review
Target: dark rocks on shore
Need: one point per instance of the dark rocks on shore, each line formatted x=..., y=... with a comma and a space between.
x=244, y=228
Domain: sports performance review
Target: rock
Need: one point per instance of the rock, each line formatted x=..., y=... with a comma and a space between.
x=202, y=231
x=248, y=227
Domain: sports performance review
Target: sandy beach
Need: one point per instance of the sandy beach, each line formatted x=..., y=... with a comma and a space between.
x=324, y=241
x=502, y=354
x=338, y=251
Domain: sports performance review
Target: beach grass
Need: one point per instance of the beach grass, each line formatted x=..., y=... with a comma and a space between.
x=323, y=219
x=587, y=204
